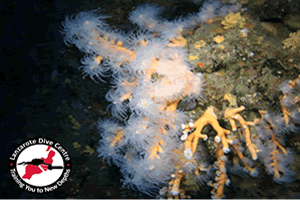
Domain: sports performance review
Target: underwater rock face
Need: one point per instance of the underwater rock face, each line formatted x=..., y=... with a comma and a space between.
x=232, y=63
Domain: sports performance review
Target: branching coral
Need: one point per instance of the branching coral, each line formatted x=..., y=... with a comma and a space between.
x=150, y=75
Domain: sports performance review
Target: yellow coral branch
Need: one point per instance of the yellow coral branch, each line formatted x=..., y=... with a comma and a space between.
x=232, y=115
x=209, y=117
x=221, y=180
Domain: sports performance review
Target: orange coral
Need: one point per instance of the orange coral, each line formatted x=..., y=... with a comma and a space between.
x=232, y=115
x=208, y=117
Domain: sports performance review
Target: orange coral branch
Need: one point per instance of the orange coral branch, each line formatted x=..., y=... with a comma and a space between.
x=232, y=115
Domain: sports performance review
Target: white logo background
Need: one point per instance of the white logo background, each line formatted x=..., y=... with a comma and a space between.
x=46, y=177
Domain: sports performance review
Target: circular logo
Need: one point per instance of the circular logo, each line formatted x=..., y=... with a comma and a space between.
x=40, y=165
